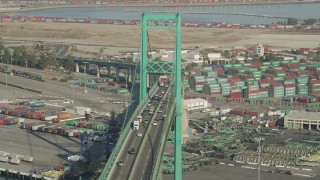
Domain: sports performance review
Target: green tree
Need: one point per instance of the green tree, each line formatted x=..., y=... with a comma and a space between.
x=6, y=55
x=2, y=47
x=204, y=56
x=31, y=60
x=292, y=21
x=42, y=62
x=101, y=52
x=226, y=54
x=113, y=119
x=310, y=21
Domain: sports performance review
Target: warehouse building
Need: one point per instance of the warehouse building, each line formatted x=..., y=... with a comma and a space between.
x=194, y=104
x=302, y=120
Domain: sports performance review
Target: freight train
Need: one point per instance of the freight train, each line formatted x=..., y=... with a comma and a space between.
x=25, y=74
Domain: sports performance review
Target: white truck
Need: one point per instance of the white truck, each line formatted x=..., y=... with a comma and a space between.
x=136, y=123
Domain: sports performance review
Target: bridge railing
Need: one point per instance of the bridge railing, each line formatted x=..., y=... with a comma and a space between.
x=167, y=124
x=113, y=157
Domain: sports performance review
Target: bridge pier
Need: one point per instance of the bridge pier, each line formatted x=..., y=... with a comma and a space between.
x=98, y=71
x=77, y=67
x=117, y=74
x=129, y=74
x=109, y=70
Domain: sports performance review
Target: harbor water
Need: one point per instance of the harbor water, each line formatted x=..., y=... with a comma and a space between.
x=239, y=14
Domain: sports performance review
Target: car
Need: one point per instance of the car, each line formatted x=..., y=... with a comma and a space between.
x=120, y=163
x=146, y=121
x=149, y=104
x=162, y=92
x=139, y=134
x=132, y=151
x=155, y=123
x=160, y=111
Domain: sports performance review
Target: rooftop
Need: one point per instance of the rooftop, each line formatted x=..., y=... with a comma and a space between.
x=302, y=115
x=191, y=101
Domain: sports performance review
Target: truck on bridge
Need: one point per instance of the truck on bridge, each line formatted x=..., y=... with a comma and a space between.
x=163, y=80
x=136, y=123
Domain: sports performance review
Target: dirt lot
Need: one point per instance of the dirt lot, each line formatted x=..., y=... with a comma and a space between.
x=115, y=38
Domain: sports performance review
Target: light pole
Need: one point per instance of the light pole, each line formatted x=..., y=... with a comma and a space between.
x=259, y=152
x=6, y=86
x=85, y=77
x=11, y=66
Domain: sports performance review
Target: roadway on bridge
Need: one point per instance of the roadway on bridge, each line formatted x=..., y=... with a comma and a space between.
x=149, y=150
x=133, y=142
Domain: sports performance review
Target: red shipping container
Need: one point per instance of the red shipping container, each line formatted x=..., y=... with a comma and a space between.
x=200, y=83
x=303, y=100
x=279, y=71
x=314, y=81
x=289, y=78
x=315, y=87
x=290, y=85
x=237, y=112
x=256, y=64
x=276, y=84
x=264, y=89
x=252, y=113
x=272, y=123
x=235, y=95
x=302, y=72
x=253, y=91
x=215, y=93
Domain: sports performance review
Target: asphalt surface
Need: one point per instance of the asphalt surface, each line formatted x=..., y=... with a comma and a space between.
x=123, y=172
x=45, y=148
x=225, y=172
x=94, y=98
x=149, y=150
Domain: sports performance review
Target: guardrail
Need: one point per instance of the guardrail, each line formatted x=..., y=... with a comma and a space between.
x=113, y=157
x=169, y=116
x=148, y=129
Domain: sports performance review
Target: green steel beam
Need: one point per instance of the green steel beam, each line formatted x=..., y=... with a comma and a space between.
x=178, y=91
x=164, y=22
x=160, y=67
x=143, y=58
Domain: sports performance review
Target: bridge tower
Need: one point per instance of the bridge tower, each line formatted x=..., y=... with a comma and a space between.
x=147, y=66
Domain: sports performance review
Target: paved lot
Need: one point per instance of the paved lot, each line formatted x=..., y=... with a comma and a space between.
x=225, y=172
x=47, y=149
x=94, y=98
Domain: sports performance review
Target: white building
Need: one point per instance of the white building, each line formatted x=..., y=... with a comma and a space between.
x=259, y=50
x=213, y=56
x=302, y=120
x=194, y=104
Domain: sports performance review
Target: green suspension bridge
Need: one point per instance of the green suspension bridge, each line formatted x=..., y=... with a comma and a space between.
x=145, y=163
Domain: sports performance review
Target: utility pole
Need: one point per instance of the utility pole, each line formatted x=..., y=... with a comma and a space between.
x=85, y=77
x=259, y=153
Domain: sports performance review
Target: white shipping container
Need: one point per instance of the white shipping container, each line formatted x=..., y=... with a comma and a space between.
x=2, y=153
x=36, y=127
x=27, y=158
x=4, y=159
x=14, y=161
x=49, y=118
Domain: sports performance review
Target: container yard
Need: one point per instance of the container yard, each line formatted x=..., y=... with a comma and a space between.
x=43, y=124
x=254, y=107
x=230, y=136
x=102, y=84
x=289, y=83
